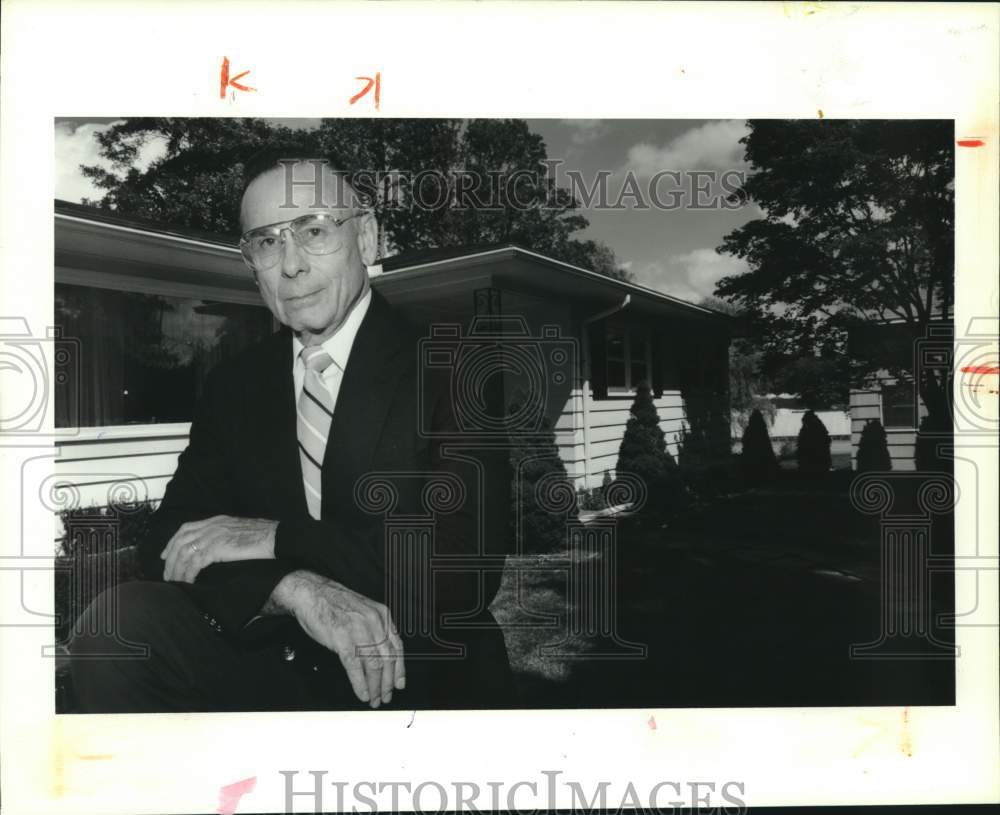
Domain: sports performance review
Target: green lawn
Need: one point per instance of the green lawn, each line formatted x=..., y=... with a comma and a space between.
x=771, y=585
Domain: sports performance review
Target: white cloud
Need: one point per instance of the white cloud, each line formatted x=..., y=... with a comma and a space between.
x=690, y=276
x=585, y=131
x=76, y=145
x=711, y=146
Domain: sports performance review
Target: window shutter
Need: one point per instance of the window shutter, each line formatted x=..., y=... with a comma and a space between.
x=598, y=361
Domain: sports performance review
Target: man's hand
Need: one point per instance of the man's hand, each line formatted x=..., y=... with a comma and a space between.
x=217, y=539
x=358, y=629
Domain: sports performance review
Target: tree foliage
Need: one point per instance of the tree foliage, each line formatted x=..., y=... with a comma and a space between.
x=748, y=380
x=540, y=486
x=198, y=180
x=857, y=226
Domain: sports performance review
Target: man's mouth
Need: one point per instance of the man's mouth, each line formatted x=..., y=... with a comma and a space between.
x=302, y=299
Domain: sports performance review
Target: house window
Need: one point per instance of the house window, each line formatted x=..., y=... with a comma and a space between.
x=628, y=357
x=899, y=405
x=142, y=358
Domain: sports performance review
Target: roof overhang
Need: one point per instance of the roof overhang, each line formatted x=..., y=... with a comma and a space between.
x=94, y=240
x=519, y=268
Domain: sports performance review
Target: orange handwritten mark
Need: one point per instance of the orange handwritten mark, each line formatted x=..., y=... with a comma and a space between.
x=652, y=723
x=971, y=142
x=372, y=83
x=230, y=795
x=95, y=757
x=226, y=82
x=981, y=369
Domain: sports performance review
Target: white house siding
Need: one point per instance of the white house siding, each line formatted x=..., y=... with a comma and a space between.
x=608, y=418
x=121, y=462
x=788, y=422
x=138, y=462
x=867, y=405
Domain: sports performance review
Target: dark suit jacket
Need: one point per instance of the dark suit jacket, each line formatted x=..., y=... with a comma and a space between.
x=243, y=460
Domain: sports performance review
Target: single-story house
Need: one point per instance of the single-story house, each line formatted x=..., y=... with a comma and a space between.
x=893, y=398
x=150, y=309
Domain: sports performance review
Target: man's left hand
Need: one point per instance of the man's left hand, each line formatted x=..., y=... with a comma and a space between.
x=217, y=539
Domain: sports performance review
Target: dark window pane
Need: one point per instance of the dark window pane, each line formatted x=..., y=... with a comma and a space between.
x=637, y=345
x=143, y=357
x=638, y=372
x=899, y=405
x=616, y=374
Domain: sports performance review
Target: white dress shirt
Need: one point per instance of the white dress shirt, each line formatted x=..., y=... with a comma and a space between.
x=338, y=347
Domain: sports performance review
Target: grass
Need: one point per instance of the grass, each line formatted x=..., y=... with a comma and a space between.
x=752, y=600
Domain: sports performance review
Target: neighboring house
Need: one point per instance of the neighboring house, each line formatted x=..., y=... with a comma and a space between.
x=897, y=406
x=894, y=399
x=786, y=422
x=147, y=311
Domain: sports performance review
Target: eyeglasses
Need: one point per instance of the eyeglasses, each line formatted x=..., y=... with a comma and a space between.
x=318, y=233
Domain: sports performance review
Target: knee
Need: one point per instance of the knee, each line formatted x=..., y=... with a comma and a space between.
x=119, y=620
x=115, y=642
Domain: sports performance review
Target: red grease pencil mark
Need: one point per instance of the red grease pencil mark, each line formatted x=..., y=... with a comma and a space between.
x=226, y=82
x=971, y=142
x=906, y=742
x=375, y=82
x=652, y=723
x=230, y=795
x=981, y=369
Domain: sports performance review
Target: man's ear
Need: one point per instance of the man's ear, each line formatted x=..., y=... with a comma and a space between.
x=368, y=238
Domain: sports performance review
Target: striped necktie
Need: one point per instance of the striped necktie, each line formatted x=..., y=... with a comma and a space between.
x=315, y=412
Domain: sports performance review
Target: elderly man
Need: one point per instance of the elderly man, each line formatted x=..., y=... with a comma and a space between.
x=281, y=572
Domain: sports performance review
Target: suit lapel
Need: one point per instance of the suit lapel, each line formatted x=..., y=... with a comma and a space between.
x=370, y=379
x=277, y=443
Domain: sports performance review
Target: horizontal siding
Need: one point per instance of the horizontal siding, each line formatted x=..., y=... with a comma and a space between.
x=861, y=398
x=119, y=448
x=120, y=462
x=866, y=405
x=608, y=418
x=144, y=458
x=902, y=449
x=99, y=494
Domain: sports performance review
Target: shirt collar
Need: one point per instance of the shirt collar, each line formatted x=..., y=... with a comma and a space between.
x=339, y=345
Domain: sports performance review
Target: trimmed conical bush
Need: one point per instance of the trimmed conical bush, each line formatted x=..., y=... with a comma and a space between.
x=813, y=449
x=757, y=459
x=873, y=449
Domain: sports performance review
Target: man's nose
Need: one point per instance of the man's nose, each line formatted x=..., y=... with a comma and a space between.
x=293, y=259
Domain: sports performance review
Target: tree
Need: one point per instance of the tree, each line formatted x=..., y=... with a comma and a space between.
x=757, y=458
x=857, y=227
x=932, y=435
x=812, y=450
x=411, y=170
x=643, y=453
x=873, y=449
x=540, y=487
x=748, y=383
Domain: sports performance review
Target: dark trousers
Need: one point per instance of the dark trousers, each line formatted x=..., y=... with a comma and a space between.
x=146, y=647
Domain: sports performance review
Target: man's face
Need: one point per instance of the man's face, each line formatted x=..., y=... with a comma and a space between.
x=312, y=294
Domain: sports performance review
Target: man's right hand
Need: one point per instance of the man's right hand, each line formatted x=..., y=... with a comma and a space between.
x=358, y=629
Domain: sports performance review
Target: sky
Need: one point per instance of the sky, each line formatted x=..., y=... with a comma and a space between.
x=672, y=250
